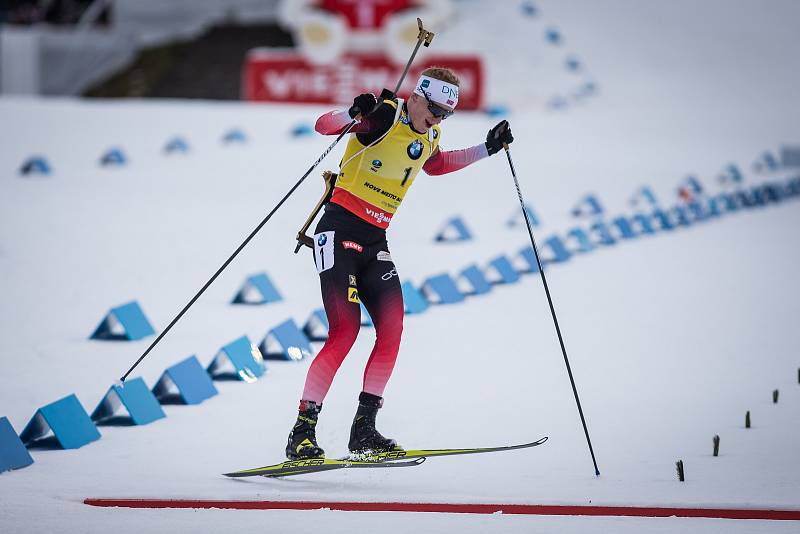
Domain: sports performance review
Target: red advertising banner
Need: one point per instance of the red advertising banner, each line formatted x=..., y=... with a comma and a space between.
x=270, y=76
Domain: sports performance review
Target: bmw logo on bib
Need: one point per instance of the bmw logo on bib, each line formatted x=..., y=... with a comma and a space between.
x=415, y=149
x=322, y=239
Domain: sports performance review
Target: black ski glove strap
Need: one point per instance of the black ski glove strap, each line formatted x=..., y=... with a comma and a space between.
x=363, y=104
x=497, y=136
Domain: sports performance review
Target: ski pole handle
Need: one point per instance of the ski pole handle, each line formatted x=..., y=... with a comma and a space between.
x=424, y=37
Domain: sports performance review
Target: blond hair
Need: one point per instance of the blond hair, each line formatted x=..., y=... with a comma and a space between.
x=442, y=73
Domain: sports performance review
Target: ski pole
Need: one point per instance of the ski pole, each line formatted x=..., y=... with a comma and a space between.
x=552, y=309
x=237, y=251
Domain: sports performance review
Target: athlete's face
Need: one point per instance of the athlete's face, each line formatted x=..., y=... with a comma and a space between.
x=420, y=114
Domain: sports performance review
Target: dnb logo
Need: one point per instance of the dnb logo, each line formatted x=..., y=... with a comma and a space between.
x=415, y=149
x=352, y=295
x=376, y=164
x=425, y=84
x=322, y=239
x=451, y=93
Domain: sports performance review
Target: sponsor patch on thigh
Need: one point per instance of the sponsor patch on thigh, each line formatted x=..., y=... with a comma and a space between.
x=352, y=295
x=352, y=245
x=384, y=256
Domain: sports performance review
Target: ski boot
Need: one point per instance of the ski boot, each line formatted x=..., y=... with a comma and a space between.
x=364, y=437
x=303, y=438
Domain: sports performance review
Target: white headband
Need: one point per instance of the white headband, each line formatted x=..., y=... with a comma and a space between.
x=438, y=91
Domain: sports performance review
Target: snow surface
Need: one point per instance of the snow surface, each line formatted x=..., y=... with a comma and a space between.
x=671, y=337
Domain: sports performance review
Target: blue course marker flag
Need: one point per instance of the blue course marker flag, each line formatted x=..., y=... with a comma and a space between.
x=454, y=229
x=67, y=419
x=35, y=165
x=558, y=251
x=602, y=234
x=239, y=359
x=366, y=320
x=286, y=342
x=664, y=222
x=476, y=280
x=624, y=227
x=257, y=289
x=582, y=240
x=681, y=216
x=644, y=223
x=126, y=322
x=316, y=327
x=413, y=300
x=135, y=397
x=185, y=381
x=13, y=454
x=517, y=219
x=234, y=135
x=529, y=258
x=506, y=272
x=113, y=158
x=588, y=206
x=441, y=289
x=176, y=145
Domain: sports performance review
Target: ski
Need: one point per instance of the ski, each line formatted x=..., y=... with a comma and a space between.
x=399, y=458
x=430, y=453
x=317, y=465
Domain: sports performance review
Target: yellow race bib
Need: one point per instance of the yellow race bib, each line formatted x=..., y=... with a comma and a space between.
x=374, y=180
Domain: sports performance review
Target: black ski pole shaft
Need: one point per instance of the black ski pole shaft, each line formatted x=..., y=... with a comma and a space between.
x=236, y=252
x=552, y=309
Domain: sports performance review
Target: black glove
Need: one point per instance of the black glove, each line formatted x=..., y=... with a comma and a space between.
x=363, y=105
x=498, y=135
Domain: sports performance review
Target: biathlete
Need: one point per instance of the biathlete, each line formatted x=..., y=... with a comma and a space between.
x=387, y=149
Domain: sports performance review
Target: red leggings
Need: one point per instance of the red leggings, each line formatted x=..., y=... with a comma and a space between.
x=354, y=265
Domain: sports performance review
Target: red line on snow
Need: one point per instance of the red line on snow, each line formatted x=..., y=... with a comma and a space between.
x=457, y=508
